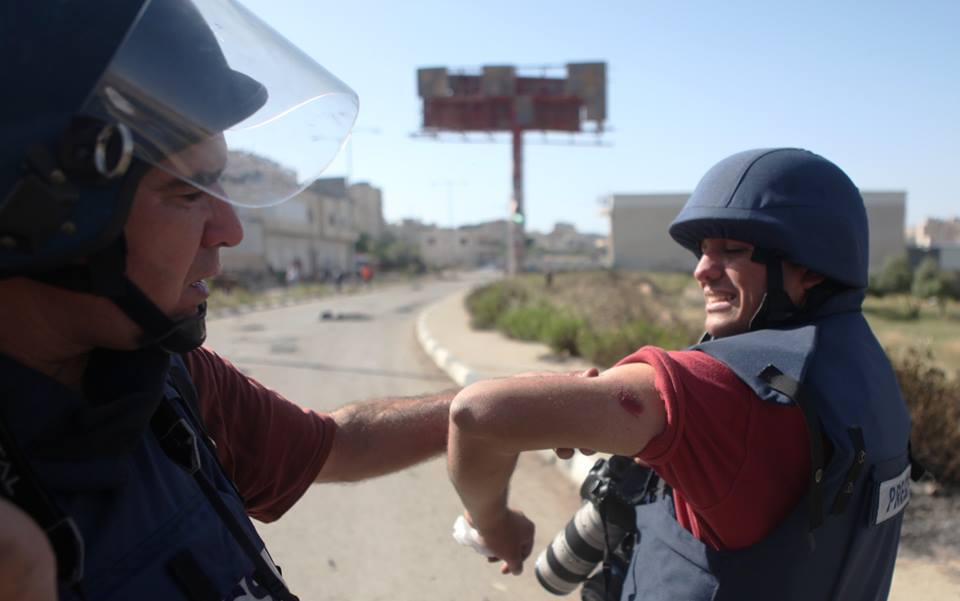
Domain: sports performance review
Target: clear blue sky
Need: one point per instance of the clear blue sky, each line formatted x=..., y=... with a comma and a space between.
x=872, y=85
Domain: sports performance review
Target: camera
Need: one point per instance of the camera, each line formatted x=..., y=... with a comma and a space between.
x=600, y=528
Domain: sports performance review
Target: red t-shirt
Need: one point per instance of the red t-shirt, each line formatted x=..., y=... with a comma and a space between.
x=738, y=465
x=271, y=448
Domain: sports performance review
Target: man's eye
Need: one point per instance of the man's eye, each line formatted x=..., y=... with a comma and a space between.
x=192, y=196
x=735, y=250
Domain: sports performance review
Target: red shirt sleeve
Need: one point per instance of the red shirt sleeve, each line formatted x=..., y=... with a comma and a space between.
x=738, y=465
x=271, y=448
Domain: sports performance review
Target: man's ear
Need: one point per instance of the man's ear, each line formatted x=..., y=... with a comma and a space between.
x=810, y=279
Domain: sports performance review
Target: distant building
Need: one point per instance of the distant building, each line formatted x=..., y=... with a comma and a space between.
x=934, y=232
x=639, y=223
x=564, y=248
x=467, y=246
x=565, y=239
x=367, y=202
x=316, y=230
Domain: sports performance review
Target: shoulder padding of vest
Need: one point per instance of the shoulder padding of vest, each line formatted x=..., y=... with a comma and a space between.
x=750, y=354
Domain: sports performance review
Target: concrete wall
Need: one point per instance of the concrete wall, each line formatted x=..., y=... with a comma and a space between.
x=315, y=228
x=639, y=223
x=638, y=233
x=887, y=216
x=463, y=247
x=367, y=209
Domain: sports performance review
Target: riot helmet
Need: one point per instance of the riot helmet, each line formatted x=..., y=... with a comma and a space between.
x=790, y=204
x=98, y=93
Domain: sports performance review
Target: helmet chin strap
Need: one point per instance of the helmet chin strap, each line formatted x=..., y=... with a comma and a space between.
x=159, y=331
x=776, y=307
x=104, y=274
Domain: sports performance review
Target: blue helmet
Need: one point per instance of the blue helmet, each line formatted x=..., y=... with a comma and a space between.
x=787, y=202
x=98, y=93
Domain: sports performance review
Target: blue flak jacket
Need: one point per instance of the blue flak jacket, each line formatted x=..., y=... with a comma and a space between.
x=149, y=531
x=840, y=542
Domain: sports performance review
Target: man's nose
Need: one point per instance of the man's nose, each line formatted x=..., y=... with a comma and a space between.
x=708, y=268
x=224, y=227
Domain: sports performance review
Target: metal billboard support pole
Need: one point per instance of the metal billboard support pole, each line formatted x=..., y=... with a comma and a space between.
x=516, y=238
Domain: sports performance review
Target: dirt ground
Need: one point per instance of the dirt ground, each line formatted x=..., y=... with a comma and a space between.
x=928, y=567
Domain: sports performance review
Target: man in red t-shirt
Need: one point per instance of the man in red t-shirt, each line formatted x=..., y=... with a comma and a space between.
x=707, y=434
x=788, y=397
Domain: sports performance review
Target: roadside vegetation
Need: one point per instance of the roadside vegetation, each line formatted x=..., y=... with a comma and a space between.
x=605, y=315
x=601, y=316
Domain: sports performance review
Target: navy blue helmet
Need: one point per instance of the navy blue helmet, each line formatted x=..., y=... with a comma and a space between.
x=788, y=202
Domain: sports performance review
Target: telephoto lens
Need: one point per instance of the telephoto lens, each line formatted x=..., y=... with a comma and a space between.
x=575, y=551
x=611, y=490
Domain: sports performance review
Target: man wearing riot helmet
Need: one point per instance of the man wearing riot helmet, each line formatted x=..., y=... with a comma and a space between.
x=127, y=131
x=781, y=437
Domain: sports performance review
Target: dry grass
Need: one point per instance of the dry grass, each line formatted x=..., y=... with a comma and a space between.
x=892, y=320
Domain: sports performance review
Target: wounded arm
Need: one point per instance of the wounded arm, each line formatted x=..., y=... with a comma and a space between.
x=492, y=421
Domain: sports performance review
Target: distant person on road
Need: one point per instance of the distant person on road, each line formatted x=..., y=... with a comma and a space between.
x=780, y=440
x=131, y=458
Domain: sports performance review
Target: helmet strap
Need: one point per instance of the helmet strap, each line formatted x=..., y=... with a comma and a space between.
x=776, y=307
x=104, y=274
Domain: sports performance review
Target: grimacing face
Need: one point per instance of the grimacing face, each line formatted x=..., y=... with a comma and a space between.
x=175, y=231
x=733, y=285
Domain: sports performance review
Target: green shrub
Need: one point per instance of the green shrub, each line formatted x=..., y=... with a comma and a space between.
x=934, y=403
x=525, y=322
x=609, y=346
x=488, y=303
x=561, y=332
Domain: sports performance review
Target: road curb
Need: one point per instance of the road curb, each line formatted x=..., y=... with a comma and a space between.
x=458, y=371
x=575, y=469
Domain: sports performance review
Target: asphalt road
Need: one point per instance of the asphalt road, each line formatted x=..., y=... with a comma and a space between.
x=387, y=538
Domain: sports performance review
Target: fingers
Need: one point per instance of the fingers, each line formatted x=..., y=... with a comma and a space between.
x=590, y=373
x=511, y=567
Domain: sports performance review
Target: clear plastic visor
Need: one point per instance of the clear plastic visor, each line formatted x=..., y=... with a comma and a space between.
x=220, y=100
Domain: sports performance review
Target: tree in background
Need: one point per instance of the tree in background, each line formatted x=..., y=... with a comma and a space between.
x=930, y=283
x=896, y=276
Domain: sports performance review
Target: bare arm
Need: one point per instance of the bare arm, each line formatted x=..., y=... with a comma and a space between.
x=379, y=437
x=491, y=422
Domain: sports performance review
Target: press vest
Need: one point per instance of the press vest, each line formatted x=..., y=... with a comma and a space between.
x=149, y=528
x=840, y=542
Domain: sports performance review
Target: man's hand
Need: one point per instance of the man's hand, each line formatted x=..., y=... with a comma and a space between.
x=509, y=538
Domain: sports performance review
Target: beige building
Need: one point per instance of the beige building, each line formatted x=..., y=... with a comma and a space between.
x=467, y=246
x=367, y=203
x=932, y=232
x=639, y=222
x=315, y=231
